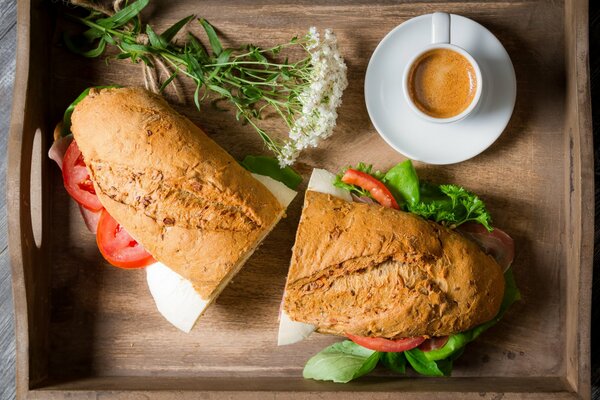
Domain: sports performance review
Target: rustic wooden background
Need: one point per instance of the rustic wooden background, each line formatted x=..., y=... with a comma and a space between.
x=7, y=67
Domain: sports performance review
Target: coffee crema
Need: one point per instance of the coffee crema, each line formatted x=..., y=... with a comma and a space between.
x=442, y=83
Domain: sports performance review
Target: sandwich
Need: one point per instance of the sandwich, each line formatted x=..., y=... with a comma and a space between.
x=408, y=271
x=163, y=196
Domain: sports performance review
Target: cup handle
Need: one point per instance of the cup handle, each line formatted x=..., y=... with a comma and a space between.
x=440, y=28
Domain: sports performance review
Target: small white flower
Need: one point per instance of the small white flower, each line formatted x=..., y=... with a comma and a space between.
x=320, y=97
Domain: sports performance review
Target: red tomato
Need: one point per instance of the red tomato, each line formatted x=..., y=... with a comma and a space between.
x=375, y=187
x=118, y=247
x=387, y=345
x=496, y=243
x=434, y=343
x=77, y=179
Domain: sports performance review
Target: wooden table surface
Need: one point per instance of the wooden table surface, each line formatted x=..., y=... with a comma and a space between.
x=7, y=68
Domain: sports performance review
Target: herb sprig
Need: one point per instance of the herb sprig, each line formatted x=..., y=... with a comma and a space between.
x=304, y=94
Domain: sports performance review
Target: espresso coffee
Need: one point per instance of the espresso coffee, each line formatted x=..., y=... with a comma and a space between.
x=442, y=83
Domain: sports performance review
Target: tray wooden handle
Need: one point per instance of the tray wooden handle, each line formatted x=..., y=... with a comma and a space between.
x=29, y=262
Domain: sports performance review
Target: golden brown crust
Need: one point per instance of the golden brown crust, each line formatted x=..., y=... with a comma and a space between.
x=373, y=271
x=183, y=197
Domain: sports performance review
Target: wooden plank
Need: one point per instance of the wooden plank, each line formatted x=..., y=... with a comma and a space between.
x=580, y=209
x=268, y=388
x=594, y=37
x=8, y=17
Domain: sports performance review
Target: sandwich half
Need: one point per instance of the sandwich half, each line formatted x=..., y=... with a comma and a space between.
x=365, y=270
x=177, y=193
x=397, y=285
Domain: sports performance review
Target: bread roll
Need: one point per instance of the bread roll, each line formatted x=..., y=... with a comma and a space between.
x=372, y=271
x=177, y=192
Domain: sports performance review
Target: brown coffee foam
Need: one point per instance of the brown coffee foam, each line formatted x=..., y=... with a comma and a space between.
x=442, y=83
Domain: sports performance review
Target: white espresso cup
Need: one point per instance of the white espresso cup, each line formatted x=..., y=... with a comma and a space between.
x=440, y=39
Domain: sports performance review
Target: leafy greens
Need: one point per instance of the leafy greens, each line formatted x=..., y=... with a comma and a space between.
x=450, y=205
x=341, y=362
x=269, y=166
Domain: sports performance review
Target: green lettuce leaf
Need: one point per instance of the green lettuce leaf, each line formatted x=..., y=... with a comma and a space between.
x=403, y=182
x=424, y=366
x=394, y=361
x=341, y=362
x=66, y=125
x=269, y=166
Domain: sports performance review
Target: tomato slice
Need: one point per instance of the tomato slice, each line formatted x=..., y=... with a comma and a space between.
x=496, y=243
x=118, y=247
x=372, y=185
x=434, y=343
x=77, y=179
x=387, y=345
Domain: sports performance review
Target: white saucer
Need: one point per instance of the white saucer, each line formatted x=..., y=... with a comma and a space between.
x=431, y=142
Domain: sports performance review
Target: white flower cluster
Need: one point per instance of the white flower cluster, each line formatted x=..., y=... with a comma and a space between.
x=320, y=98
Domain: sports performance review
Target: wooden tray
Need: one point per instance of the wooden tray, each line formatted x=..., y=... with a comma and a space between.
x=87, y=330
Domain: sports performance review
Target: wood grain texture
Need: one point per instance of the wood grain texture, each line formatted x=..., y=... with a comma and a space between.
x=96, y=320
x=595, y=89
x=8, y=17
x=102, y=321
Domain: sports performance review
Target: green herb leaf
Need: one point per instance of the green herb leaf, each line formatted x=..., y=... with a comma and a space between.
x=73, y=45
x=167, y=81
x=197, y=97
x=170, y=33
x=155, y=39
x=66, y=124
x=196, y=48
x=417, y=360
x=213, y=39
x=341, y=362
x=403, y=182
x=269, y=166
x=136, y=48
x=394, y=361
x=125, y=15
x=224, y=56
x=220, y=90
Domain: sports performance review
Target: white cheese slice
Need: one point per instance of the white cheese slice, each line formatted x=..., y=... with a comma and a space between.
x=175, y=296
x=284, y=194
x=322, y=181
x=293, y=331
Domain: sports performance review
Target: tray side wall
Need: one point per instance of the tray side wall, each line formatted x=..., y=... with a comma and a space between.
x=580, y=201
x=30, y=275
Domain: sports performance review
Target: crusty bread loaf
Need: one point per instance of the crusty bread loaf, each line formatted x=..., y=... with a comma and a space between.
x=177, y=192
x=372, y=271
